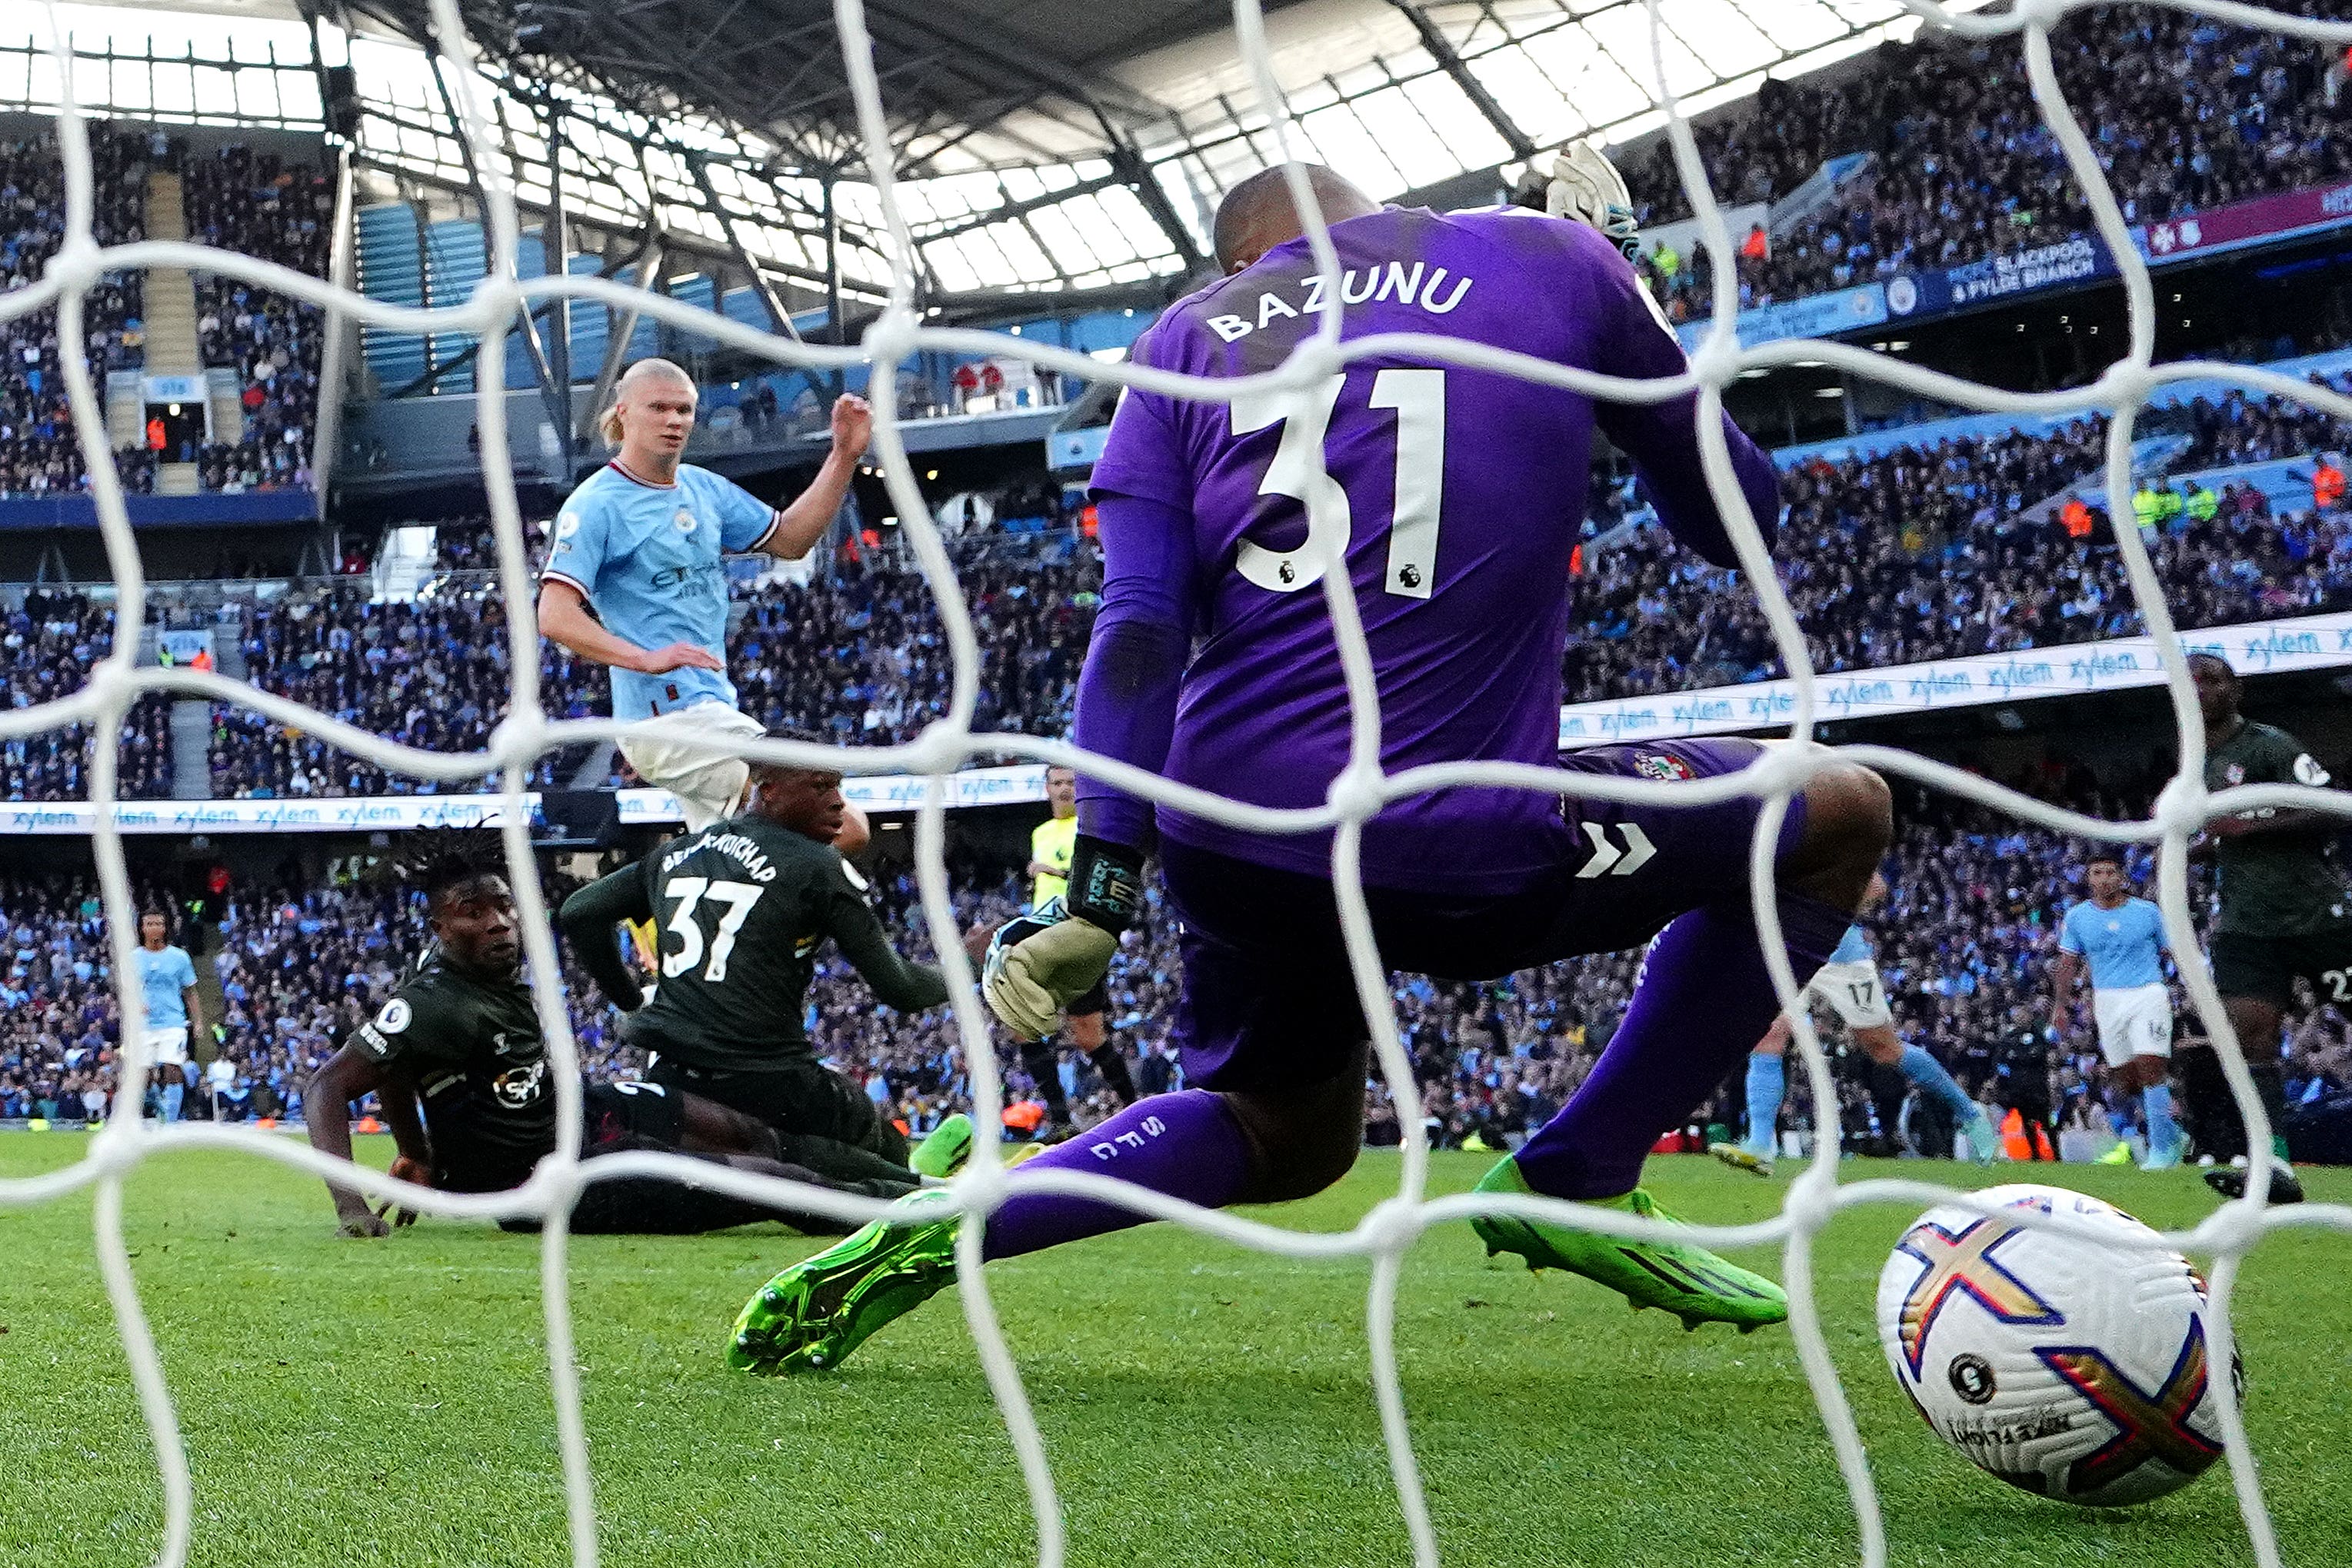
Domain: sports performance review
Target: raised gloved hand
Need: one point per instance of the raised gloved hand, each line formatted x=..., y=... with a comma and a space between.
x=1585, y=185
x=1038, y=964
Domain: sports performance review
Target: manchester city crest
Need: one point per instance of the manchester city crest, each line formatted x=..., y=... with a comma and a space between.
x=685, y=521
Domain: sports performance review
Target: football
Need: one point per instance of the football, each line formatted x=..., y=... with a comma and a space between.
x=2074, y=1369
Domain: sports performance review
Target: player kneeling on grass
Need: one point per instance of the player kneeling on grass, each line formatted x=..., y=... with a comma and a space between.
x=455, y=1059
x=742, y=911
x=1454, y=502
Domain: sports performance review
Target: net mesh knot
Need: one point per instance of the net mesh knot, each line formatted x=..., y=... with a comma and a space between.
x=1355, y=792
x=2182, y=807
x=1392, y=1226
x=894, y=337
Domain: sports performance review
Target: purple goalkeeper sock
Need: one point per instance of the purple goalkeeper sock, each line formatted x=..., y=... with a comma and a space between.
x=1187, y=1145
x=1703, y=1002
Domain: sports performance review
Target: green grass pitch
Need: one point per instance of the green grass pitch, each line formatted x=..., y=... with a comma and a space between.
x=387, y=1402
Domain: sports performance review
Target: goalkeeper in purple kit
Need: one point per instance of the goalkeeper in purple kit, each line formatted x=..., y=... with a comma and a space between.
x=1454, y=499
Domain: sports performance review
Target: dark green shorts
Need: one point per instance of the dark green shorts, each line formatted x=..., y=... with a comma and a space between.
x=2266, y=967
x=799, y=1099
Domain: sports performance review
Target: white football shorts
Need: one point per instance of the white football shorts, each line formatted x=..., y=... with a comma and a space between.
x=1853, y=992
x=167, y=1046
x=708, y=785
x=2136, y=1020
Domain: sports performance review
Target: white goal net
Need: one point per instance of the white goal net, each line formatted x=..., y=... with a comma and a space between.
x=1388, y=1233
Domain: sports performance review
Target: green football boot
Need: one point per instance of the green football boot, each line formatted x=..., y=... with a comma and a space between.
x=1688, y=1282
x=942, y=1154
x=811, y=1316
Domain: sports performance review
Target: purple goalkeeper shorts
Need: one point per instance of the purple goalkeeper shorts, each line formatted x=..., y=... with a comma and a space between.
x=1268, y=1000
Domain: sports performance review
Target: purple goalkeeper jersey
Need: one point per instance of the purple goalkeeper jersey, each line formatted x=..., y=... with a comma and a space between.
x=1460, y=494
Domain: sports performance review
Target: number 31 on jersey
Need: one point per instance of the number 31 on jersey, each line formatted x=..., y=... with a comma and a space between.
x=1418, y=396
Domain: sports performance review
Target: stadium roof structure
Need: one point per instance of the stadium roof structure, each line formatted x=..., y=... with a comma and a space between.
x=1043, y=146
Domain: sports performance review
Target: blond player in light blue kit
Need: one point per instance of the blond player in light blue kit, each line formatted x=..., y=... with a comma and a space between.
x=642, y=543
x=2120, y=940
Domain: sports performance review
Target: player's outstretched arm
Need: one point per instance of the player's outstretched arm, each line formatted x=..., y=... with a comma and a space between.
x=1135, y=659
x=587, y=919
x=857, y=930
x=1662, y=438
x=347, y=1076
x=397, y=1097
x=563, y=618
x=802, y=524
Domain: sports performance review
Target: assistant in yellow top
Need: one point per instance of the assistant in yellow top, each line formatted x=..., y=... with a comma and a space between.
x=1050, y=845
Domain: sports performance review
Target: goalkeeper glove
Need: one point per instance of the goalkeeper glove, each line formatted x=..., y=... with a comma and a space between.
x=1037, y=967
x=1585, y=185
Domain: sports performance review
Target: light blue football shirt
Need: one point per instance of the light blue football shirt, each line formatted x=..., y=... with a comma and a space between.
x=650, y=560
x=163, y=975
x=1854, y=947
x=2123, y=945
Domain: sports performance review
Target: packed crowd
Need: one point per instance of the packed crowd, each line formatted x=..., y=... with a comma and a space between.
x=1918, y=552
x=50, y=643
x=38, y=454
x=433, y=674
x=257, y=204
x=235, y=198
x=1958, y=547
x=466, y=543
x=1964, y=945
x=297, y=971
x=864, y=659
x=2184, y=114
x=2243, y=428
x=860, y=657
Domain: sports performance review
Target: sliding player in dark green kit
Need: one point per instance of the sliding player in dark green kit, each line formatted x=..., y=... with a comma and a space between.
x=455, y=1061
x=743, y=908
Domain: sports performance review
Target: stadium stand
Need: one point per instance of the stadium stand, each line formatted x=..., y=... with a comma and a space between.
x=1898, y=552
x=2188, y=115
x=233, y=197
x=297, y=972
x=258, y=204
x=1902, y=553
x=38, y=456
x=50, y=642
x=858, y=657
x=434, y=673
